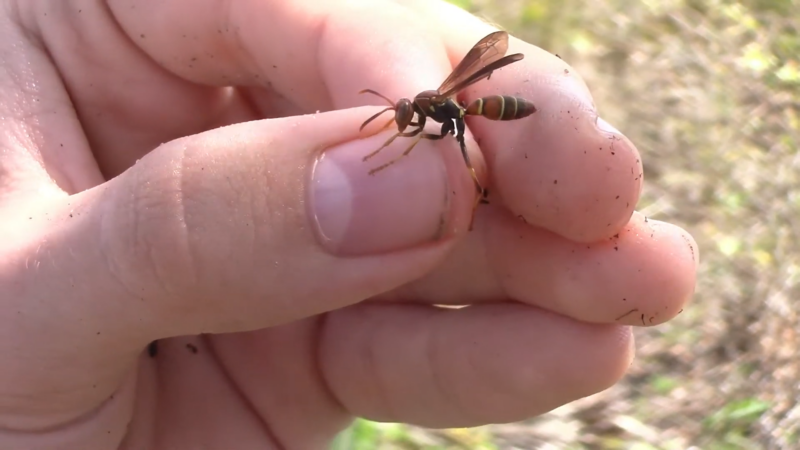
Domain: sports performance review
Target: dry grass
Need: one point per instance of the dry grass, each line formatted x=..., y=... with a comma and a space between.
x=710, y=93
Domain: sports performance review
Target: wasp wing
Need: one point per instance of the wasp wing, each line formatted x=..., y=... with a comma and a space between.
x=487, y=51
x=484, y=72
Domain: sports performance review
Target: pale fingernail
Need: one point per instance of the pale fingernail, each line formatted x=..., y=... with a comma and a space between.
x=607, y=127
x=401, y=206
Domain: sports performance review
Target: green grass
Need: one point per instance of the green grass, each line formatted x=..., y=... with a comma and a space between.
x=367, y=435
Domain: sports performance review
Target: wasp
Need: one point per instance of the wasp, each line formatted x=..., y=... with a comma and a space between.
x=440, y=105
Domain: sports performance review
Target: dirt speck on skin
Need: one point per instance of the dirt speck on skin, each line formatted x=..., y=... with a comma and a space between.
x=626, y=314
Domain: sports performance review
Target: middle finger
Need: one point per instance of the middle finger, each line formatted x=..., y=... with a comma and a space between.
x=642, y=276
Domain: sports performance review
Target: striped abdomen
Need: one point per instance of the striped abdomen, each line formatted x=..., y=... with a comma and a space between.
x=501, y=107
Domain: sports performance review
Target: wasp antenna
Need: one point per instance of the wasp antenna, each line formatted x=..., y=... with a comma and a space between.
x=375, y=117
x=370, y=91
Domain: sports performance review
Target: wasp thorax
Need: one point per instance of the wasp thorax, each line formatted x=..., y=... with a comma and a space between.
x=423, y=100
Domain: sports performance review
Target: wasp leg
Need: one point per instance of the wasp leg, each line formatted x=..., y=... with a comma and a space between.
x=482, y=193
x=430, y=136
x=386, y=125
x=391, y=139
x=463, y=145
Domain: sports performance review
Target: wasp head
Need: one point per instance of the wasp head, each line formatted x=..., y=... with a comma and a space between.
x=403, y=111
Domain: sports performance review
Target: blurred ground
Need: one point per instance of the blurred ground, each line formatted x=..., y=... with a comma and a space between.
x=710, y=93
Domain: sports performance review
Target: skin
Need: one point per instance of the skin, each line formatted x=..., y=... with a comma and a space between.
x=132, y=212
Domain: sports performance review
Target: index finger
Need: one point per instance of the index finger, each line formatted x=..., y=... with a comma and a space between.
x=317, y=55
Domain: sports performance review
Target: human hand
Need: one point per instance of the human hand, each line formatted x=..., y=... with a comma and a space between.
x=236, y=232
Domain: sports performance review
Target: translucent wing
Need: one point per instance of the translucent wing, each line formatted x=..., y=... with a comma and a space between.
x=482, y=73
x=478, y=63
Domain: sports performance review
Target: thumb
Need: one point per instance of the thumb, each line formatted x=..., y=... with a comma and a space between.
x=235, y=229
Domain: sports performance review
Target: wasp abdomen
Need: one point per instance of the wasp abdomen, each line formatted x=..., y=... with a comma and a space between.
x=501, y=107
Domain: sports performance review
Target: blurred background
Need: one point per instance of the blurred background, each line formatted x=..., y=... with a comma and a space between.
x=709, y=91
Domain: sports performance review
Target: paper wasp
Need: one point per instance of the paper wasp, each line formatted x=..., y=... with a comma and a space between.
x=439, y=105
